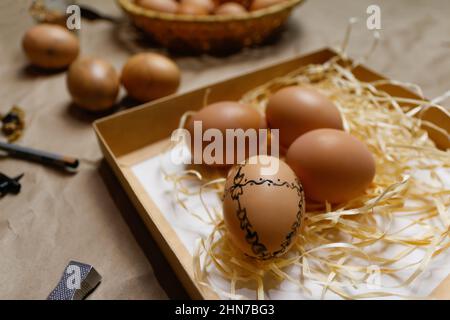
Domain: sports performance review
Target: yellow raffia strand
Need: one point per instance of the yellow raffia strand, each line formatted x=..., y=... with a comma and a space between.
x=335, y=247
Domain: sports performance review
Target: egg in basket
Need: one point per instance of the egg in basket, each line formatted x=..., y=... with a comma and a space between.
x=223, y=26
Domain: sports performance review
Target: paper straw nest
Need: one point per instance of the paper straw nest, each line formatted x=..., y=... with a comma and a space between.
x=341, y=248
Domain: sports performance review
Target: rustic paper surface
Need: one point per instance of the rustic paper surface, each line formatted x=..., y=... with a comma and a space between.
x=86, y=217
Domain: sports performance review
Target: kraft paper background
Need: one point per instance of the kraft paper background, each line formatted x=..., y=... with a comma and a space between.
x=87, y=217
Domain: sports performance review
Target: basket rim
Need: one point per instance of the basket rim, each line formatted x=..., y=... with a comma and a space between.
x=130, y=7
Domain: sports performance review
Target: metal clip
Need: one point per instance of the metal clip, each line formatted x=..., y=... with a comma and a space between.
x=9, y=185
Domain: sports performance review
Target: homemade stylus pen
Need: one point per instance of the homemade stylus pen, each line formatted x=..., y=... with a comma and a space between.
x=63, y=162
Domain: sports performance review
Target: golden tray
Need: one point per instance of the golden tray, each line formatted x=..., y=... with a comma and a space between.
x=218, y=34
x=134, y=135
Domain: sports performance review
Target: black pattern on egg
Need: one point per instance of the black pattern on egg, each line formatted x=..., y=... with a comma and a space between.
x=263, y=213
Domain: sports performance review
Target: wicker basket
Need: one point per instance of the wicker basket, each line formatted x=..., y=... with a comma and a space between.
x=210, y=33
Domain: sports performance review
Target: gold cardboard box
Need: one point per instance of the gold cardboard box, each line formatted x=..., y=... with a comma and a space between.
x=131, y=136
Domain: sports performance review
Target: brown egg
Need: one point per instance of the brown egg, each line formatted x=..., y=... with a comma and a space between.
x=333, y=165
x=244, y=3
x=296, y=110
x=230, y=8
x=50, y=46
x=149, y=76
x=209, y=5
x=192, y=9
x=222, y=116
x=168, y=6
x=93, y=84
x=261, y=4
x=263, y=208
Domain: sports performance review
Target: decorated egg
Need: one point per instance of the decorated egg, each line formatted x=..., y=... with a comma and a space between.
x=333, y=165
x=263, y=207
x=296, y=110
